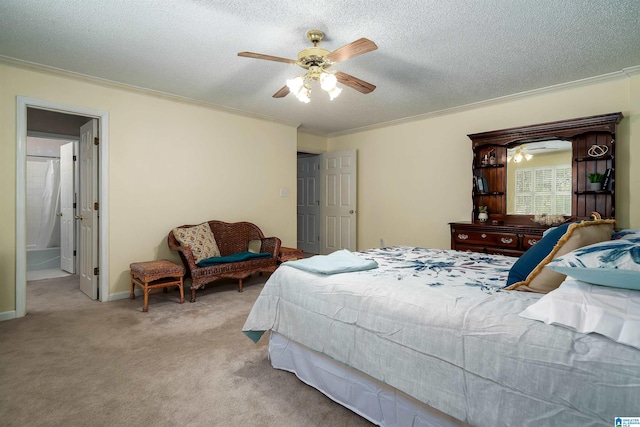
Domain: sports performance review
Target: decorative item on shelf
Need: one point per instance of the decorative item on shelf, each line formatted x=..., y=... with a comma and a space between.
x=482, y=184
x=492, y=156
x=598, y=150
x=595, y=181
x=483, y=214
x=485, y=160
x=606, y=182
x=546, y=219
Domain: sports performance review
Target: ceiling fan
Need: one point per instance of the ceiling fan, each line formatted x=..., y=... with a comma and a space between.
x=316, y=61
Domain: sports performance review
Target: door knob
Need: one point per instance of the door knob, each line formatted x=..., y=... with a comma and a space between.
x=59, y=214
x=80, y=217
x=351, y=211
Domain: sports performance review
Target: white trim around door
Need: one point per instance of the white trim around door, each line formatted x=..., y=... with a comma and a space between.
x=22, y=103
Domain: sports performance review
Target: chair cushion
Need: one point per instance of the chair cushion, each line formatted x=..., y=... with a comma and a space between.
x=237, y=257
x=199, y=239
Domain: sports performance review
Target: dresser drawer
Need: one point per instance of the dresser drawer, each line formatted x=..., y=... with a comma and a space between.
x=472, y=237
x=529, y=240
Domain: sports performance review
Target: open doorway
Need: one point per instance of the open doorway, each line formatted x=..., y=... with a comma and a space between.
x=52, y=188
x=308, y=203
x=86, y=129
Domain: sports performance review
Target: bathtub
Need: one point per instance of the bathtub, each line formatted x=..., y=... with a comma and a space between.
x=43, y=259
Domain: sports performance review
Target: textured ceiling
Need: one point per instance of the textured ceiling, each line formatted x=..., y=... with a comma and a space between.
x=432, y=54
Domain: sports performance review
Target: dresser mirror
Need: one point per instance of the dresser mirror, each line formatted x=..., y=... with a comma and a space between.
x=510, y=193
x=539, y=178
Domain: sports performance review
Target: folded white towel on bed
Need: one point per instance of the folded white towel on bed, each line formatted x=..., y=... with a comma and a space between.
x=342, y=261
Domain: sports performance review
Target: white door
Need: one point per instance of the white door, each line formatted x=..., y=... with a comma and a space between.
x=88, y=212
x=309, y=204
x=338, y=189
x=67, y=222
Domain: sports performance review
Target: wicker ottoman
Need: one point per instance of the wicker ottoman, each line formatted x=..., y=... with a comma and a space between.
x=156, y=274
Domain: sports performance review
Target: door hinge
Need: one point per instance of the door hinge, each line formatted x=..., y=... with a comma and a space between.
x=75, y=159
x=96, y=141
x=96, y=206
x=318, y=202
x=96, y=271
x=74, y=253
x=74, y=205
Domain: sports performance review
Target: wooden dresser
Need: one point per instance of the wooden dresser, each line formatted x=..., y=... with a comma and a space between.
x=511, y=240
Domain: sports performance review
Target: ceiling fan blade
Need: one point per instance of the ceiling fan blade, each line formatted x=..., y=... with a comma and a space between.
x=284, y=91
x=354, y=82
x=267, y=57
x=355, y=48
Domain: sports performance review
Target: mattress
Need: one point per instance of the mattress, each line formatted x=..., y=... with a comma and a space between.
x=436, y=325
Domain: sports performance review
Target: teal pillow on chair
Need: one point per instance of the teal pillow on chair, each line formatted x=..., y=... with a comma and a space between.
x=535, y=254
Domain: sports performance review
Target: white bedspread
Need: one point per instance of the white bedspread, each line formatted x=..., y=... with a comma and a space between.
x=441, y=330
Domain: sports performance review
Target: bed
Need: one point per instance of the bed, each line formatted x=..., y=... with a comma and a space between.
x=430, y=337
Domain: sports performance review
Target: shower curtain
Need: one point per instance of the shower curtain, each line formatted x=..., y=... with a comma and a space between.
x=49, y=233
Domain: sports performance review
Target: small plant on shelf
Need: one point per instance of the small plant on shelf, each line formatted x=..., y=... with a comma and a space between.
x=482, y=209
x=595, y=177
x=595, y=181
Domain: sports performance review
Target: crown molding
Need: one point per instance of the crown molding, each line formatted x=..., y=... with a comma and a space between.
x=616, y=75
x=632, y=71
x=155, y=93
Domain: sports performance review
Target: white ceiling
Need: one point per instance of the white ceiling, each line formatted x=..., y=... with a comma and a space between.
x=432, y=54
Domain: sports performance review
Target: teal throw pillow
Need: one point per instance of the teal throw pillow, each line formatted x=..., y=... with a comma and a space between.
x=536, y=253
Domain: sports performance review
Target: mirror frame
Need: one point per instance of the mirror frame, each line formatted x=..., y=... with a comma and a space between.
x=582, y=132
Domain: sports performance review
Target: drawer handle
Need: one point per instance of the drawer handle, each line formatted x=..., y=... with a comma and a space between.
x=483, y=235
x=532, y=242
x=506, y=240
x=463, y=236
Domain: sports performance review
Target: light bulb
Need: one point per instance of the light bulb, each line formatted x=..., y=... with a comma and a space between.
x=333, y=93
x=518, y=157
x=528, y=156
x=295, y=84
x=328, y=82
x=304, y=95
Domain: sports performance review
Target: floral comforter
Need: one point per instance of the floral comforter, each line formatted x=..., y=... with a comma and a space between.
x=437, y=325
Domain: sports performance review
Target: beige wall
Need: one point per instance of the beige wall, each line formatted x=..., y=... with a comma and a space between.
x=170, y=163
x=312, y=144
x=415, y=177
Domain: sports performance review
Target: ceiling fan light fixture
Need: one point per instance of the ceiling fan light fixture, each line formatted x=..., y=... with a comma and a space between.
x=333, y=93
x=328, y=81
x=295, y=84
x=519, y=155
x=304, y=94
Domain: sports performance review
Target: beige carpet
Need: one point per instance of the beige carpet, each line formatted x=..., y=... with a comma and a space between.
x=76, y=362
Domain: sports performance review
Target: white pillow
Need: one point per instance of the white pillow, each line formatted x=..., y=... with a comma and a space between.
x=586, y=308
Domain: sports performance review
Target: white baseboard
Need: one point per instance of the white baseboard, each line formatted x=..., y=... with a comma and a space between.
x=124, y=295
x=7, y=315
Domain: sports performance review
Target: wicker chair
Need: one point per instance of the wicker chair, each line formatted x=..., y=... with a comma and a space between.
x=231, y=238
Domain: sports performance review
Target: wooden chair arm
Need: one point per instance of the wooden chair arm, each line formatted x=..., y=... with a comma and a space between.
x=271, y=245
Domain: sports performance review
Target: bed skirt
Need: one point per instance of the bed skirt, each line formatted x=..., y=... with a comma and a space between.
x=379, y=403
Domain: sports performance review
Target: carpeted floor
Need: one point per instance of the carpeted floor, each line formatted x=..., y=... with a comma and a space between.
x=76, y=362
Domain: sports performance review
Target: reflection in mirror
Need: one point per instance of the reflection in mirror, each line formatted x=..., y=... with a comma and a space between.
x=539, y=178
